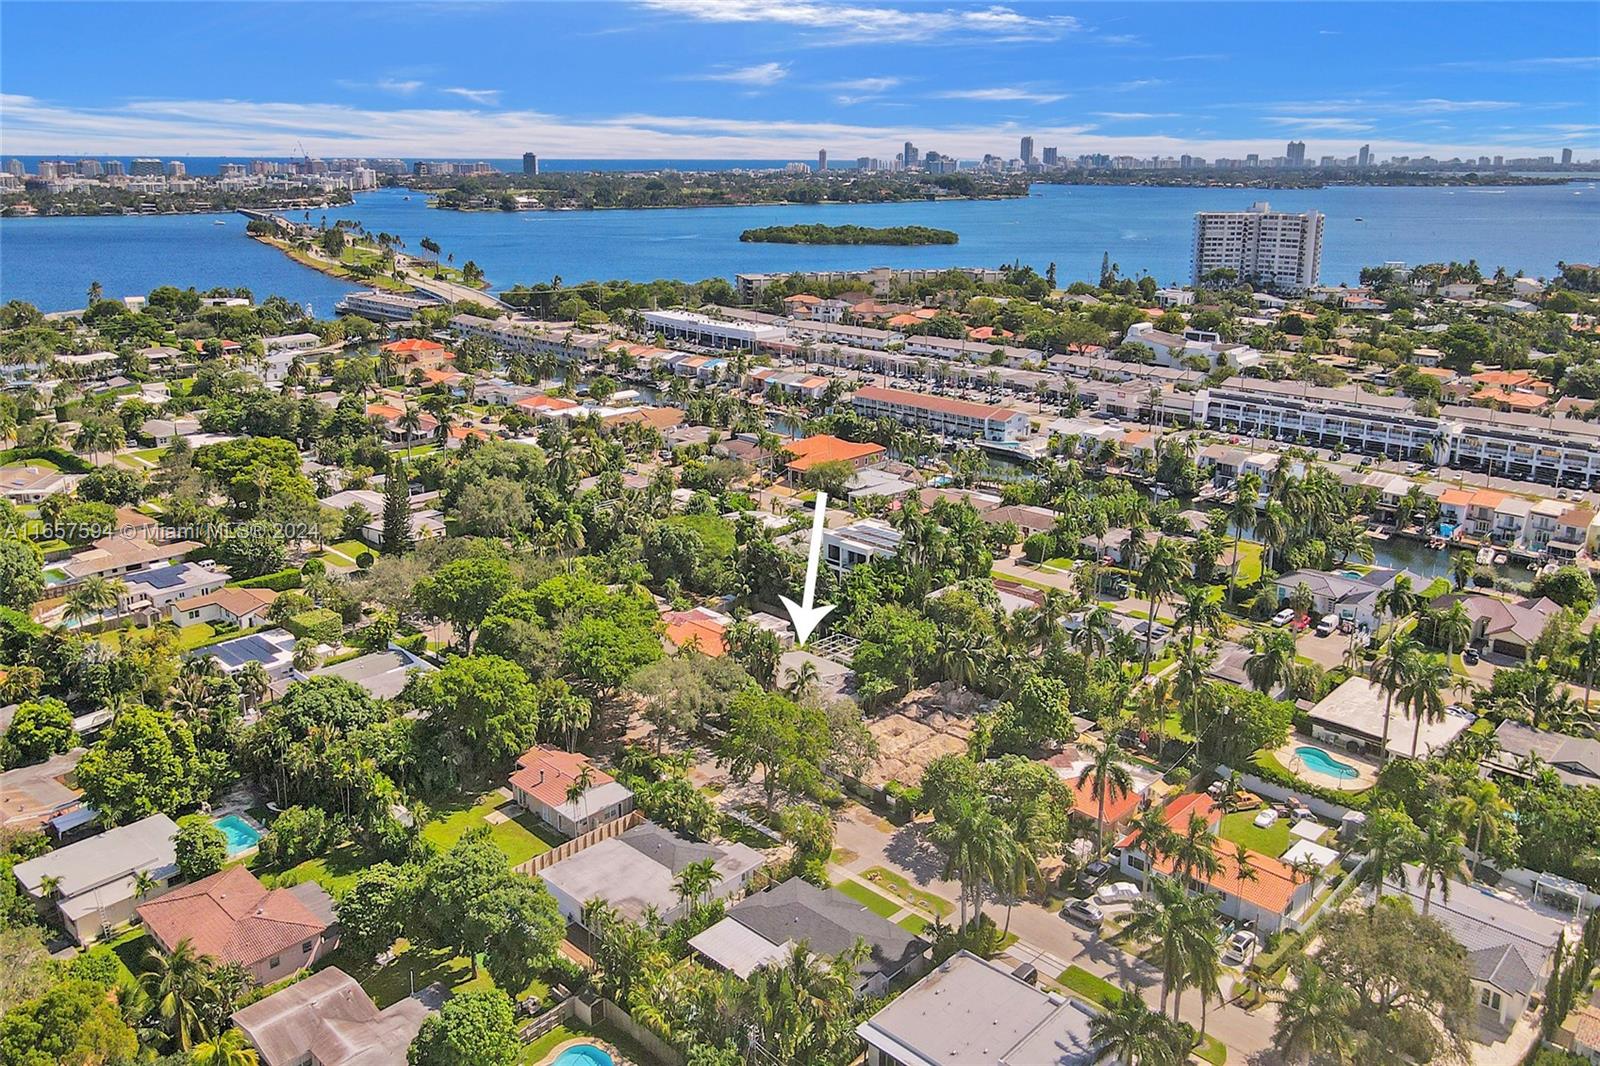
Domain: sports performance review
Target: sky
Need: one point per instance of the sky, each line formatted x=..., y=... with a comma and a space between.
x=776, y=79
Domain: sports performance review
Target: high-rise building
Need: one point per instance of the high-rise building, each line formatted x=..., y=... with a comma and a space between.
x=89, y=168
x=908, y=155
x=145, y=168
x=114, y=168
x=1260, y=245
x=1252, y=160
x=15, y=168
x=1027, y=150
x=1296, y=153
x=1566, y=157
x=1499, y=160
x=822, y=160
x=530, y=163
x=231, y=170
x=1483, y=161
x=47, y=170
x=1364, y=157
x=1051, y=157
x=176, y=169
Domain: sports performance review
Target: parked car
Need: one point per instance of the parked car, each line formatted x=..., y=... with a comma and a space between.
x=1283, y=617
x=1084, y=912
x=1265, y=819
x=1470, y=656
x=1116, y=892
x=1329, y=623
x=1092, y=875
x=1300, y=623
x=1241, y=948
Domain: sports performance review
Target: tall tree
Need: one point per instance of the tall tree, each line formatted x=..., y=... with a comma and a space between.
x=397, y=536
x=1108, y=777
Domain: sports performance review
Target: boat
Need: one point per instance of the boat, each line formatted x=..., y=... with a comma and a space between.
x=1485, y=556
x=218, y=222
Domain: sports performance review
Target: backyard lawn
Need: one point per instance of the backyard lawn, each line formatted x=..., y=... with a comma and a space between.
x=882, y=906
x=335, y=872
x=520, y=837
x=1239, y=828
x=417, y=967
x=189, y=636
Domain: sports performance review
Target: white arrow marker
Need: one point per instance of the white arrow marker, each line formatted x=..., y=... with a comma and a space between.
x=805, y=616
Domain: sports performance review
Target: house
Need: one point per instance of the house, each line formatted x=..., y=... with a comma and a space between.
x=1574, y=531
x=969, y=1011
x=1575, y=760
x=1351, y=595
x=810, y=452
x=154, y=590
x=118, y=556
x=238, y=607
x=1271, y=898
x=163, y=431
x=1352, y=717
x=382, y=674
x=1582, y=1028
x=235, y=919
x=95, y=878
x=849, y=546
x=638, y=869
x=1028, y=519
x=1543, y=522
x=32, y=796
x=32, y=484
x=1120, y=807
x=329, y=1020
x=1509, y=946
x=702, y=626
x=416, y=354
x=291, y=342
x=272, y=648
x=1507, y=627
x=542, y=782
x=826, y=920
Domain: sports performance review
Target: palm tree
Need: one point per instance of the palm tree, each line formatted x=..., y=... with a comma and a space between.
x=578, y=790
x=180, y=984
x=1589, y=663
x=144, y=883
x=968, y=842
x=1244, y=866
x=49, y=886
x=1176, y=924
x=1390, y=842
x=1453, y=628
x=1107, y=777
x=1271, y=660
x=1397, y=601
x=1438, y=858
x=229, y=1049
x=1168, y=564
x=1155, y=838
x=1272, y=529
x=1194, y=851
x=1242, y=516
x=255, y=684
x=1390, y=672
x=1130, y=1032
x=696, y=880
x=1422, y=694
x=1478, y=804
x=1313, y=1017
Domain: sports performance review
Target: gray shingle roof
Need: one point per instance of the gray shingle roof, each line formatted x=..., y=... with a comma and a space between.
x=830, y=923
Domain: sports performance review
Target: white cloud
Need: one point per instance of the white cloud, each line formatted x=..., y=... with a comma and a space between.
x=1124, y=116
x=1137, y=83
x=1531, y=65
x=867, y=85
x=1324, y=123
x=242, y=129
x=760, y=74
x=1428, y=106
x=404, y=87
x=1002, y=94
x=477, y=96
x=848, y=23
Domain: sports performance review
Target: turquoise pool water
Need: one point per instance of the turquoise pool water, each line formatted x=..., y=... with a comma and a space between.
x=242, y=836
x=1323, y=763
x=584, y=1055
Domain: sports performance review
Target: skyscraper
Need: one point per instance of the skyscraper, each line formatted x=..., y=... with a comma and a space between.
x=530, y=163
x=15, y=168
x=1051, y=157
x=1566, y=157
x=177, y=169
x=146, y=168
x=1364, y=157
x=822, y=160
x=114, y=168
x=1296, y=153
x=1027, y=150
x=1260, y=245
x=908, y=155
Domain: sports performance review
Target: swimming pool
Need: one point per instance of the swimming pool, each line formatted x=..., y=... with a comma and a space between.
x=584, y=1055
x=1323, y=763
x=242, y=836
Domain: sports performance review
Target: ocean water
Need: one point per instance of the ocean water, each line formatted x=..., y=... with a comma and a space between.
x=51, y=262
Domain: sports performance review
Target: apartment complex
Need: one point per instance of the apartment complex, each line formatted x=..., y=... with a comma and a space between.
x=878, y=279
x=941, y=415
x=1269, y=247
x=691, y=327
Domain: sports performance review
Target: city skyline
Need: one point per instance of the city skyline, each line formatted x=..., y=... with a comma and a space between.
x=855, y=79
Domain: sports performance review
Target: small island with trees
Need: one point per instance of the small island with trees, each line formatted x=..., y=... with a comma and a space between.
x=817, y=233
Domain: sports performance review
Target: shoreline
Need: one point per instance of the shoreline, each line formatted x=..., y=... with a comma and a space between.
x=432, y=205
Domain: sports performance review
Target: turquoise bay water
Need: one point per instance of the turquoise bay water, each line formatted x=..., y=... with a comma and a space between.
x=1320, y=761
x=241, y=835
x=52, y=261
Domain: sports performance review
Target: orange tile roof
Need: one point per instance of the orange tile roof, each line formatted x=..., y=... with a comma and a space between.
x=545, y=403
x=232, y=917
x=1457, y=497
x=941, y=404
x=984, y=333
x=413, y=344
x=708, y=635
x=236, y=601
x=383, y=410
x=1488, y=498
x=463, y=432
x=1118, y=806
x=802, y=298
x=1524, y=401
x=1271, y=889
x=442, y=377
x=822, y=448
x=545, y=773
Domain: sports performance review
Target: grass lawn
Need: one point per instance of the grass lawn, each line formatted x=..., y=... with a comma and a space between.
x=418, y=967
x=879, y=905
x=150, y=455
x=898, y=885
x=189, y=637
x=572, y=1029
x=914, y=924
x=129, y=949
x=1212, y=1050
x=335, y=872
x=1060, y=563
x=1250, y=556
x=1081, y=982
x=521, y=838
x=716, y=532
x=1239, y=828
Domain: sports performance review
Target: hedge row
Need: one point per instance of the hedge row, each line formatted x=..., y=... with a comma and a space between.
x=281, y=581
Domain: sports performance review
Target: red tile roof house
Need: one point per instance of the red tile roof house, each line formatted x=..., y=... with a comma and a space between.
x=1270, y=899
x=233, y=918
x=540, y=784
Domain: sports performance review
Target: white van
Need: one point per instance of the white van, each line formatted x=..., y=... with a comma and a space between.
x=1329, y=623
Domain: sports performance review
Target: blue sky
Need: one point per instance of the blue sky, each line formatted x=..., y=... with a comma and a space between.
x=768, y=79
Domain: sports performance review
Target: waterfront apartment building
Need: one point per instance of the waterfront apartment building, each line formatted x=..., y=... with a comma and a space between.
x=1273, y=248
x=942, y=415
x=382, y=306
x=530, y=163
x=880, y=280
x=691, y=327
x=561, y=340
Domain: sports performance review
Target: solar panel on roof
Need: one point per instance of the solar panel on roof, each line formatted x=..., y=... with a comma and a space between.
x=165, y=577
